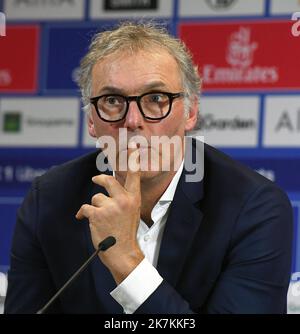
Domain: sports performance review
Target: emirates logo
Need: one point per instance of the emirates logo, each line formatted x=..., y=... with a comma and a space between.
x=239, y=55
x=240, y=49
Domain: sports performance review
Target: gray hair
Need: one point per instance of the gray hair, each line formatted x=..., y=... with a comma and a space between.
x=132, y=37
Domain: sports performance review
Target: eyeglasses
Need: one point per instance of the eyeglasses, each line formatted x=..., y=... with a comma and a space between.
x=153, y=106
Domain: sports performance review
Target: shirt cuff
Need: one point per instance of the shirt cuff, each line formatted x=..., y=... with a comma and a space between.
x=137, y=286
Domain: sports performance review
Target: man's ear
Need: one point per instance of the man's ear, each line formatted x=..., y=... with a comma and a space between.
x=191, y=118
x=91, y=125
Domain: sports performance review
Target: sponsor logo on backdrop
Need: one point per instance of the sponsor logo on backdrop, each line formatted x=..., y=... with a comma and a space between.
x=223, y=123
x=296, y=26
x=282, y=121
x=39, y=121
x=111, y=5
x=49, y=122
x=231, y=130
x=286, y=122
x=239, y=56
x=20, y=173
x=44, y=9
x=241, y=49
x=200, y=8
x=12, y=122
x=42, y=3
x=220, y=4
x=244, y=55
x=2, y=24
x=130, y=8
x=211, y=122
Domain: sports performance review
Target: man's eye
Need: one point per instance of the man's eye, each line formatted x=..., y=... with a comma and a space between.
x=156, y=98
x=112, y=100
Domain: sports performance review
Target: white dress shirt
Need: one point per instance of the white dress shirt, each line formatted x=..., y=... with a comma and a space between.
x=144, y=279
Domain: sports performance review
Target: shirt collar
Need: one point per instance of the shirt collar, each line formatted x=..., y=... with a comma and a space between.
x=168, y=195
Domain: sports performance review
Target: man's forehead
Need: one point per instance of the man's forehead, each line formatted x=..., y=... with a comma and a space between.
x=161, y=66
x=155, y=54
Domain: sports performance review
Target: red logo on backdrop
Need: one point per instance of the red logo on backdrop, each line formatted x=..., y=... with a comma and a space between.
x=19, y=59
x=248, y=55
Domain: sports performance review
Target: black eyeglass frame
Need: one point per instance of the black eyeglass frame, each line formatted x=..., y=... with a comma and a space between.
x=128, y=99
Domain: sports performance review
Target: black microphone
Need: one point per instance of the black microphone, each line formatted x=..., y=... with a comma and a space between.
x=103, y=246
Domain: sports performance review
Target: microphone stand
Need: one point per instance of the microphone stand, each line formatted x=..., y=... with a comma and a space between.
x=103, y=246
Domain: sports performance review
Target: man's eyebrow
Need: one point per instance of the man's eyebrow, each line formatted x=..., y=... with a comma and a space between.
x=156, y=85
x=110, y=90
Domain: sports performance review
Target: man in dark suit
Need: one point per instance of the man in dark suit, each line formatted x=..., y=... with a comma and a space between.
x=220, y=244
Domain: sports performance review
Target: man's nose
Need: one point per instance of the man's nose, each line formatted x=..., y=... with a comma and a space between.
x=134, y=119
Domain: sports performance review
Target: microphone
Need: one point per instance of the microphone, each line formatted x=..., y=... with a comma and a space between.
x=103, y=246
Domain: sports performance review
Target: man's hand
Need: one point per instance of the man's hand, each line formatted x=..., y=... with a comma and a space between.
x=117, y=215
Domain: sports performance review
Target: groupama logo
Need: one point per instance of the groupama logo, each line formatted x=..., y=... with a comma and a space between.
x=2, y=24
x=296, y=25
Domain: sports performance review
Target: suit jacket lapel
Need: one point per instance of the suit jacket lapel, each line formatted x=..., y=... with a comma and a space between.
x=182, y=224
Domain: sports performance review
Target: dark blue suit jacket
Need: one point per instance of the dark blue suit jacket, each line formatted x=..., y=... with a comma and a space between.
x=226, y=246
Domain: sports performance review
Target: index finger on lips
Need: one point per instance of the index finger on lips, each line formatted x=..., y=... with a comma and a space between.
x=133, y=177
